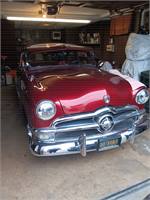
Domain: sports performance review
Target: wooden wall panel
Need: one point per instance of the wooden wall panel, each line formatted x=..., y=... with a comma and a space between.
x=119, y=54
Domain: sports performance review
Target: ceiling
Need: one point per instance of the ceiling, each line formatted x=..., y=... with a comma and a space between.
x=69, y=9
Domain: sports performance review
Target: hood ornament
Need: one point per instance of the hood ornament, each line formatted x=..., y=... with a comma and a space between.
x=106, y=98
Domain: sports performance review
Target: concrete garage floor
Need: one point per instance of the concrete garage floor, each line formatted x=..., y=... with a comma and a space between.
x=25, y=177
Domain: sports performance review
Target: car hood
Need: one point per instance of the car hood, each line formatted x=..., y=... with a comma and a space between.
x=82, y=89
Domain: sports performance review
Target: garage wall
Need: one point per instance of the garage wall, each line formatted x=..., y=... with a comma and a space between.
x=119, y=53
x=33, y=36
x=103, y=27
x=72, y=35
x=12, y=38
x=119, y=41
x=8, y=42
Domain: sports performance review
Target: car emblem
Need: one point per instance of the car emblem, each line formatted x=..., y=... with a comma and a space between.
x=105, y=123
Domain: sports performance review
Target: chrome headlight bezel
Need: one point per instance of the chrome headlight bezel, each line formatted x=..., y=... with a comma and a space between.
x=142, y=96
x=43, y=107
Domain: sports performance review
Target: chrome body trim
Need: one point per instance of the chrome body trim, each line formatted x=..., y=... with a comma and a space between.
x=80, y=133
x=100, y=111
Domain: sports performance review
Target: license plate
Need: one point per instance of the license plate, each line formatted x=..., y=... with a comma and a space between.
x=108, y=143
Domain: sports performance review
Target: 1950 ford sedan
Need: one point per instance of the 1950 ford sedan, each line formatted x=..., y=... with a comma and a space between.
x=74, y=107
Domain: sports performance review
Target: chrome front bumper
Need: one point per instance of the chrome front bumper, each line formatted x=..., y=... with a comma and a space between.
x=83, y=142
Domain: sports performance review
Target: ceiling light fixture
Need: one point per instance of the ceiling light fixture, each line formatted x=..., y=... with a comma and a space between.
x=35, y=19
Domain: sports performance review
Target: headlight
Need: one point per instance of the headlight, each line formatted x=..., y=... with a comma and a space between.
x=142, y=96
x=46, y=110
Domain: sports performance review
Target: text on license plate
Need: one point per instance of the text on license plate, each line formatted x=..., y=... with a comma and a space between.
x=109, y=143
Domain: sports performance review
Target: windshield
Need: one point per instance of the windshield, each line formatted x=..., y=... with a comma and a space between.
x=68, y=57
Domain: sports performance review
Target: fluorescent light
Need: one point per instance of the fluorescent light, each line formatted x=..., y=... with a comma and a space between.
x=35, y=19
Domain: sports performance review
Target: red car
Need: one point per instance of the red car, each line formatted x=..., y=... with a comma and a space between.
x=74, y=107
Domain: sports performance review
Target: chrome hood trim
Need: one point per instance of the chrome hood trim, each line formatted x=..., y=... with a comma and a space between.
x=100, y=111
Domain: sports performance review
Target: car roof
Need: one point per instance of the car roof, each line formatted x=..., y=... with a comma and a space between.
x=56, y=46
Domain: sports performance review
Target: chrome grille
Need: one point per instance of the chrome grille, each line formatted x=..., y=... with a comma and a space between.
x=71, y=126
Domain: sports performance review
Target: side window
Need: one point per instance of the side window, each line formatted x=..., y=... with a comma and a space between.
x=37, y=57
